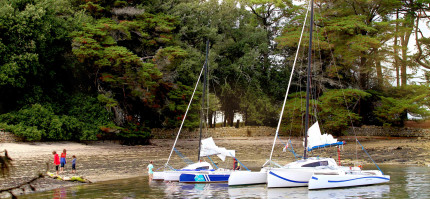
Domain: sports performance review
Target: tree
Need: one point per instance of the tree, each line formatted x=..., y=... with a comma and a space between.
x=33, y=35
x=393, y=108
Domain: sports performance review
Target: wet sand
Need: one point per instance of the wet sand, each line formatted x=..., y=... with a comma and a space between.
x=102, y=161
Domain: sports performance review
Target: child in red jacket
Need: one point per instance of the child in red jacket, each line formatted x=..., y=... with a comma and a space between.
x=56, y=160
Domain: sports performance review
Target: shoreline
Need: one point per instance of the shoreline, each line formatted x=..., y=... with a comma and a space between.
x=105, y=161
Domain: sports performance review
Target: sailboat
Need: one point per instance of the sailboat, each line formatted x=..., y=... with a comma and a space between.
x=220, y=175
x=260, y=177
x=316, y=172
x=199, y=171
x=199, y=167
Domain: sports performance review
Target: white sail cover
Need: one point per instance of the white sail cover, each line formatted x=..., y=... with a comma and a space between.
x=210, y=148
x=316, y=140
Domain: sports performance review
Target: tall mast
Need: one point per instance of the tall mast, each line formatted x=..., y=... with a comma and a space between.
x=203, y=97
x=308, y=84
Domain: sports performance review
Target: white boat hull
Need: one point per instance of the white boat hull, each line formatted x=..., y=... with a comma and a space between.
x=280, y=177
x=158, y=176
x=173, y=176
x=346, y=180
x=247, y=178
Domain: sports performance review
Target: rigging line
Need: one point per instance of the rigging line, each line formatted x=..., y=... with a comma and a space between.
x=320, y=63
x=369, y=155
x=308, y=81
x=213, y=162
x=289, y=83
x=186, y=112
x=207, y=104
x=186, y=160
x=298, y=89
x=346, y=103
x=203, y=97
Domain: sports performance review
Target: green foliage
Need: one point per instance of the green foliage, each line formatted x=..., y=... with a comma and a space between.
x=175, y=109
x=258, y=109
x=339, y=108
x=30, y=133
x=40, y=122
x=334, y=110
x=88, y=69
x=90, y=114
x=413, y=99
x=294, y=114
x=31, y=36
x=134, y=134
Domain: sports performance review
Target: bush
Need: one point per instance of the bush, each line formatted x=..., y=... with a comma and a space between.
x=81, y=119
x=134, y=134
x=39, y=122
x=29, y=133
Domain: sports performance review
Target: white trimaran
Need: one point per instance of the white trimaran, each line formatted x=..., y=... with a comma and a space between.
x=316, y=172
x=207, y=146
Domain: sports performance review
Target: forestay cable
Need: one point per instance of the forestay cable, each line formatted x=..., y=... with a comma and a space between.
x=289, y=83
x=186, y=112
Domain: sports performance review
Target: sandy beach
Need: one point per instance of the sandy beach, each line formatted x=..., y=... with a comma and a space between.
x=102, y=161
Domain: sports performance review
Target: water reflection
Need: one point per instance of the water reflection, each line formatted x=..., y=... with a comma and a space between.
x=255, y=191
x=406, y=182
x=60, y=193
x=375, y=191
x=417, y=180
x=175, y=189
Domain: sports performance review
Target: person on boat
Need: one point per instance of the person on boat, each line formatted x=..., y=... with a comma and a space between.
x=150, y=172
x=236, y=165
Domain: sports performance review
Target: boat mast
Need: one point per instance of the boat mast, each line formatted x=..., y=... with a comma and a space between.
x=308, y=84
x=203, y=97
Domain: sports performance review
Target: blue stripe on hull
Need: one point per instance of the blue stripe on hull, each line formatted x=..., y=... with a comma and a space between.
x=337, y=181
x=287, y=179
x=203, y=177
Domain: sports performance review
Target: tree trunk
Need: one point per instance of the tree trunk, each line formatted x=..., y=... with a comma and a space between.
x=210, y=119
x=396, y=54
x=408, y=25
x=246, y=118
x=404, y=41
x=379, y=74
x=363, y=76
x=214, y=118
x=230, y=118
x=225, y=119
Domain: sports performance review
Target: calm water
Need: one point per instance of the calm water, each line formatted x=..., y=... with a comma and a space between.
x=406, y=182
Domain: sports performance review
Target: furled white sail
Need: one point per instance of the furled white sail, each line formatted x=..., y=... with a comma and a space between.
x=210, y=148
x=316, y=140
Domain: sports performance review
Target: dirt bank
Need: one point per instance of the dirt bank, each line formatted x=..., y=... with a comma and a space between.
x=107, y=161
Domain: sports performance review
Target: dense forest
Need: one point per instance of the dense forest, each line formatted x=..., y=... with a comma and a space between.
x=92, y=69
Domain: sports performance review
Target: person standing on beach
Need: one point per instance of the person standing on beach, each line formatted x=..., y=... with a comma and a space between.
x=63, y=160
x=56, y=160
x=150, y=172
x=74, y=164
